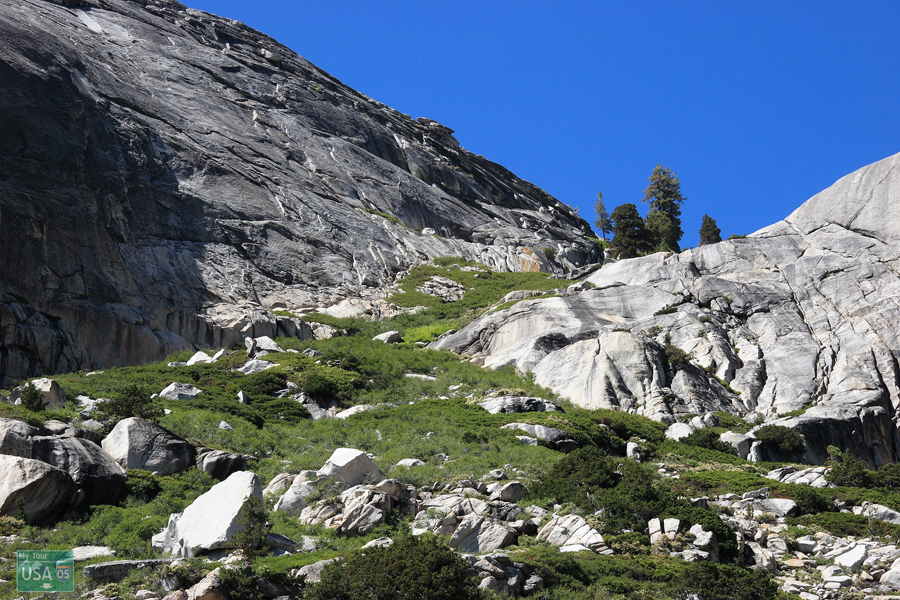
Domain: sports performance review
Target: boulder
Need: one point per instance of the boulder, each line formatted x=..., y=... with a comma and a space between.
x=517, y=404
x=410, y=462
x=350, y=466
x=211, y=587
x=354, y=410
x=293, y=501
x=180, y=391
x=97, y=474
x=388, y=337
x=221, y=464
x=878, y=511
x=510, y=492
x=54, y=396
x=117, y=570
x=676, y=431
x=556, y=438
x=211, y=521
x=15, y=437
x=740, y=442
x=279, y=484
x=313, y=573
x=41, y=490
x=571, y=530
x=261, y=346
x=200, y=357
x=255, y=366
x=138, y=444
x=99, y=478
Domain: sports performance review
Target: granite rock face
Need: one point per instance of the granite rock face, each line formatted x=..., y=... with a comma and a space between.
x=169, y=177
x=801, y=315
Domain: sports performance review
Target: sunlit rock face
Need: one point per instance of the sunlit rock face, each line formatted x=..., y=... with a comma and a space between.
x=800, y=316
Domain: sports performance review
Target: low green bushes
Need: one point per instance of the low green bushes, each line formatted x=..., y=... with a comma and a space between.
x=423, y=567
x=787, y=440
x=709, y=439
x=588, y=577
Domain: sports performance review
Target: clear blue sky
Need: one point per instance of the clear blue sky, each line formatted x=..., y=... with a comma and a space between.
x=755, y=105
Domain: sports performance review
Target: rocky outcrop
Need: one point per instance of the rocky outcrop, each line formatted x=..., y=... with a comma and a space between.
x=184, y=175
x=800, y=318
x=98, y=478
x=138, y=444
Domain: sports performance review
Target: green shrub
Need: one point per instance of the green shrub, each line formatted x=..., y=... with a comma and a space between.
x=133, y=401
x=707, y=438
x=844, y=524
x=32, y=398
x=588, y=577
x=677, y=357
x=577, y=478
x=424, y=568
x=666, y=311
x=787, y=440
x=142, y=486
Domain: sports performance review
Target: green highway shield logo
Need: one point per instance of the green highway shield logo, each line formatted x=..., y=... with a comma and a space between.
x=45, y=571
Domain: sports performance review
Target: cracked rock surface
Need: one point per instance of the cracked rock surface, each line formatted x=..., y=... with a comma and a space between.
x=798, y=323
x=167, y=177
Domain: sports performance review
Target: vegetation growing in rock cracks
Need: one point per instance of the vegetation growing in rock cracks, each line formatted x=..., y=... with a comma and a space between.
x=437, y=420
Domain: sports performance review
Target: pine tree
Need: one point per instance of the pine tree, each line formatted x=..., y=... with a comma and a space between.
x=630, y=236
x=664, y=217
x=709, y=231
x=602, y=223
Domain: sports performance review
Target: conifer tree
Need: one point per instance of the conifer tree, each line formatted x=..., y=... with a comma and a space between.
x=709, y=231
x=664, y=217
x=630, y=235
x=602, y=223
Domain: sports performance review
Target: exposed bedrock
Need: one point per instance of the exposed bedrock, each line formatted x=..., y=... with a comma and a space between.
x=797, y=322
x=167, y=177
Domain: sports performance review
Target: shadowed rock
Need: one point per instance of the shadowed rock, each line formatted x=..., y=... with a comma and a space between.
x=184, y=174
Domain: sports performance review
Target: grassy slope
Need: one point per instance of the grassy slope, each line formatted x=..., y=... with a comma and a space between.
x=428, y=419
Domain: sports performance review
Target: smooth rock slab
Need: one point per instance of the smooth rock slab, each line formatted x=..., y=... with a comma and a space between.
x=210, y=522
x=852, y=560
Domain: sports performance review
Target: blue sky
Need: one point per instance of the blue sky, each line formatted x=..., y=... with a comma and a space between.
x=755, y=105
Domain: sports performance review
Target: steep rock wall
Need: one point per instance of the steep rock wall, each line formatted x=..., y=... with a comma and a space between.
x=161, y=167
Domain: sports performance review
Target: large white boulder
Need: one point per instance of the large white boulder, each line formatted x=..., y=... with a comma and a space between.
x=350, y=466
x=41, y=489
x=211, y=521
x=676, y=431
x=138, y=444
